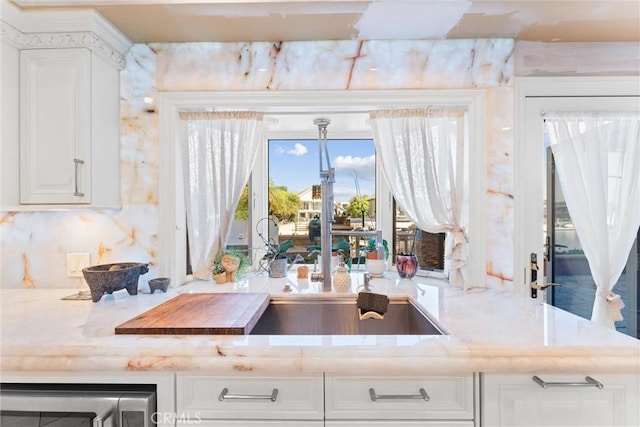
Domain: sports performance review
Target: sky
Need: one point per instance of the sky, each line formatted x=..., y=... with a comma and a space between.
x=294, y=164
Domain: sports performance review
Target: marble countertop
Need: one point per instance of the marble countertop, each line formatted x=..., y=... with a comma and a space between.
x=488, y=330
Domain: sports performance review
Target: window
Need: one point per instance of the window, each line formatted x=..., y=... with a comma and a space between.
x=294, y=197
x=295, y=110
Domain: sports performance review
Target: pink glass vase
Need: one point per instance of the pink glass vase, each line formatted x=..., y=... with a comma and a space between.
x=407, y=266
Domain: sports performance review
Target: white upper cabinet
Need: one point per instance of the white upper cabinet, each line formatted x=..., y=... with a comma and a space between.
x=55, y=126
x=61, y=115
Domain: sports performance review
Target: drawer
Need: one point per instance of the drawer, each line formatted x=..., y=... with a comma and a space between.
x=254, y=423
x=565, y=399
x=249, y=397
x=400, y=398
x=401, y=423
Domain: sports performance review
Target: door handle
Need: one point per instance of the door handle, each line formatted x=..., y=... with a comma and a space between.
x=76, y=165
x=534, y=274
x=98, y=421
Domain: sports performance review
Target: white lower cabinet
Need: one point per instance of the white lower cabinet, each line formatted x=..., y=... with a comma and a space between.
x=561, y=400
x=248, y=400
x=400, y=423
x=248, y=423
x=400, y=401
x=317, y=400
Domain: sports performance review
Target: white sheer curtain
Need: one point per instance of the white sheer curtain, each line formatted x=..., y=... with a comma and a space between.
x=421, y=152
x=219, y=152
x=597, y=159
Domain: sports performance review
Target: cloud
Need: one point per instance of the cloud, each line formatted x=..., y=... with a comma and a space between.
x=298, y=150
x=365, y=167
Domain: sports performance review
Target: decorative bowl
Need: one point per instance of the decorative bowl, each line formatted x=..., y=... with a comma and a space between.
x=161, y=283
x=108, y=278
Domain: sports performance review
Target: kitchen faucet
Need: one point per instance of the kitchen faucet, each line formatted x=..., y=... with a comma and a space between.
x=327, y=178
x=366, y=286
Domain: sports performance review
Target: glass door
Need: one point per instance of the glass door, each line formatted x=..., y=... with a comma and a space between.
x=566, y=265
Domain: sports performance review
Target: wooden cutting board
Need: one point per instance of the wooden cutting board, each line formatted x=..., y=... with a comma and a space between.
x=200, y=314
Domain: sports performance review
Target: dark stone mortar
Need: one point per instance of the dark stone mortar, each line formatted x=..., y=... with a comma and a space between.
x=108, y=278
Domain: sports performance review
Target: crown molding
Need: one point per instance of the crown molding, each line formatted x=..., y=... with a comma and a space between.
x=85, y=39
x=68, y=29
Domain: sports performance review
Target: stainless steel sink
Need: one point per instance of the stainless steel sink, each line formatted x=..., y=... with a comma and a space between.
x=340, y=317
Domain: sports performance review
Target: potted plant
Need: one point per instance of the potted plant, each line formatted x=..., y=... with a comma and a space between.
x=278, y=251
x=374, y=264
x=275, y=261
x=229, y=264
x=372, y=249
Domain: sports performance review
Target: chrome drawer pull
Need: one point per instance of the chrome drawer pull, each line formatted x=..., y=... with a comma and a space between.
x=225, y=396
x=589, y=382
x=76, y=163
x=423, y=395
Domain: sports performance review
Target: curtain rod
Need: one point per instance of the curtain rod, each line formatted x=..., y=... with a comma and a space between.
x=590, y=114
x=320, y=112
x=277, y=113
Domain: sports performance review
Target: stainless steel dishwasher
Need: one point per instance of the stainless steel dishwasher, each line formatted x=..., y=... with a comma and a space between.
x=77, y=405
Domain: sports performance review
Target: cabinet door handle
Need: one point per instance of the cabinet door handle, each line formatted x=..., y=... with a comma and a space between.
x=77, y=163
x=423, y=395
x=588, y=382
x=224, y=395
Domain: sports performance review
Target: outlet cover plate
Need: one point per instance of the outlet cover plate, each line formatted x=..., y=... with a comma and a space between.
x=76, y=262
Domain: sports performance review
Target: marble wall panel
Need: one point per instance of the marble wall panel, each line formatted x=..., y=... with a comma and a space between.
x=139, y=128
x=35, y=243
x=500, y=186
x=347, y=64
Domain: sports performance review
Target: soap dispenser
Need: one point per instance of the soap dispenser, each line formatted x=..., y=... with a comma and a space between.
x=342, y=279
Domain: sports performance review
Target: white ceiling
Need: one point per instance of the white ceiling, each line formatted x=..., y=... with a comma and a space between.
x=289, y=20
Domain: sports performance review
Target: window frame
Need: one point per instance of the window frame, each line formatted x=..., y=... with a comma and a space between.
x=171, y=209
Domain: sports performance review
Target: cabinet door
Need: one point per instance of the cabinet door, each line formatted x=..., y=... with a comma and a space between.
x=55, y=126
x=518, y=401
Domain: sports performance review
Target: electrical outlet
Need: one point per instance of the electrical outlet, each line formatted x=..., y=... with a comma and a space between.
x=76, y=262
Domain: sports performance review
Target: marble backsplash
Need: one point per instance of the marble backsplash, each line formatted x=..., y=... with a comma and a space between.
x=34, y=244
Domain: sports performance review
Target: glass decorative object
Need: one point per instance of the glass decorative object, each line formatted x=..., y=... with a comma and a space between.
x=407, y=266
